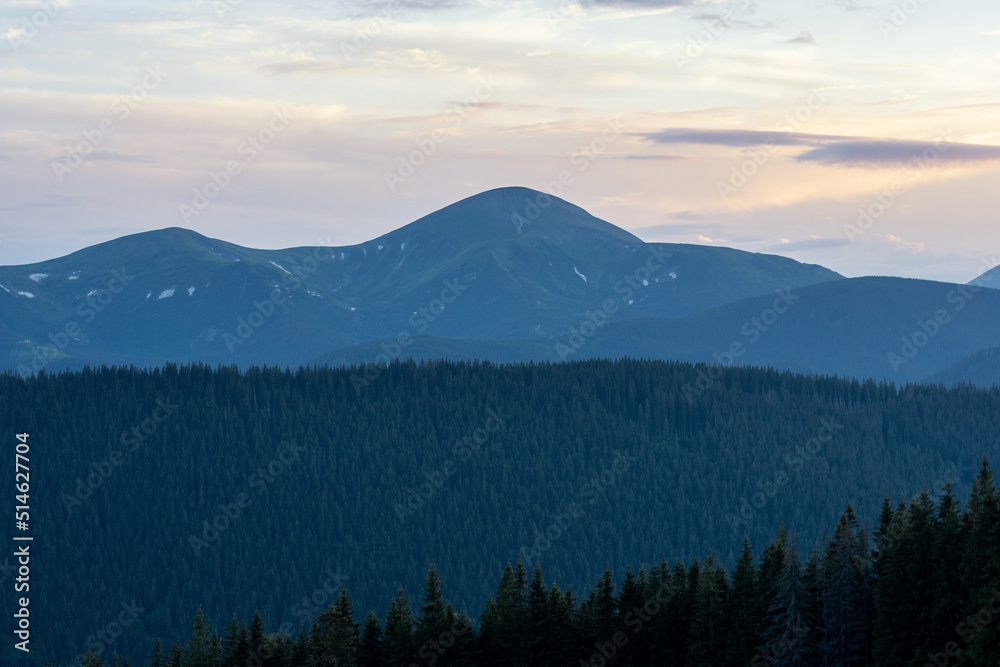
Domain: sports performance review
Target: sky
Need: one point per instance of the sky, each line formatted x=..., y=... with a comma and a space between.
x=860, y=135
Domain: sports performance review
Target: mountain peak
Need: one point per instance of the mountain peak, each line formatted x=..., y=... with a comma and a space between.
x=512, y=212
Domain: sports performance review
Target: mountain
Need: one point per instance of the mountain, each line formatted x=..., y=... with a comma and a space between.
x=980, y=368
x=989, y=279
x=884, y=328
x=505, y=264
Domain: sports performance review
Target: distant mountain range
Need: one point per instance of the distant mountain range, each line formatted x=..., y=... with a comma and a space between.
x=507, y=275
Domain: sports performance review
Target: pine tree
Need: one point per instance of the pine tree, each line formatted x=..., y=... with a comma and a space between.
x=177, y=655
x=371, y=652
x=157, y=659
x=632, y=612
x=198, y=645
x=256, y=636
x=742, y=642
x=981, y=570
x=234, y=644
x=843, y=600
x=214, y=650
x=772, y=561
x=334, y=635
x=536, y=630
x=893, y=593
x=709, y=621
x=487, y=639
x=510, y=608
x=433, y=621
x=399, y=640
x=604, y=607
x=783, y=638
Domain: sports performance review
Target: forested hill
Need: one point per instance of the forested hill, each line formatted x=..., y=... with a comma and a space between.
x=920, y=589
x=171, y=489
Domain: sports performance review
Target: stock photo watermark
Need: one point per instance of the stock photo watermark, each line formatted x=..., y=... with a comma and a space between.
x=407, y=164
x=915, y=168
x=791, y=123
x=248, y=150
x=122, y=107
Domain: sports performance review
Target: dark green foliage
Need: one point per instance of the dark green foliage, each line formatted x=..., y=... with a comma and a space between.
x=371, y=652
x=818, y=614
x=400, y=644
x=687, y=471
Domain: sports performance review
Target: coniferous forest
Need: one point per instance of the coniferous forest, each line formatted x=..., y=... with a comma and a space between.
x=285, y=506
x=922, y=588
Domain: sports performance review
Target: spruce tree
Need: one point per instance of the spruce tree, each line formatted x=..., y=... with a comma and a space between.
x=433, y=621
x=741, y=642
x=371, y=652
x=843, y=601
x=157, y=658
x=537, y=623
x=399, y=641
x=784, y=637
x=199, y=644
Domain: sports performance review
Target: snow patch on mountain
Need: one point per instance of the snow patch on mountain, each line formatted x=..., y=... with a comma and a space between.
x=281, y=267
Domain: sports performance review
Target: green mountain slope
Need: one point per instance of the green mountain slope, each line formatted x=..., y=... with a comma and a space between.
x=488, y=267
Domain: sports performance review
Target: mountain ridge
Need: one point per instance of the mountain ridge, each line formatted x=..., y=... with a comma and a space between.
x=517, y=272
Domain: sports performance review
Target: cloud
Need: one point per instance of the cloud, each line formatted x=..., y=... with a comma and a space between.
x=853, y=5
x=687, y=215
x=900, y=243
x=477, y=105
x=829, y=149
x=643, y=4
x=807, y=244
x=734, y=138
x=121, y=157
x=889, y=152
x=58, y=201
x=803, y=38
x=730, y=20
x=662, y=156
x=366, y=8
x=303, y=67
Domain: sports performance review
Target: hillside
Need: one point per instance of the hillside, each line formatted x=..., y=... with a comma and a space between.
x=189, y=487
x=489, y=267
